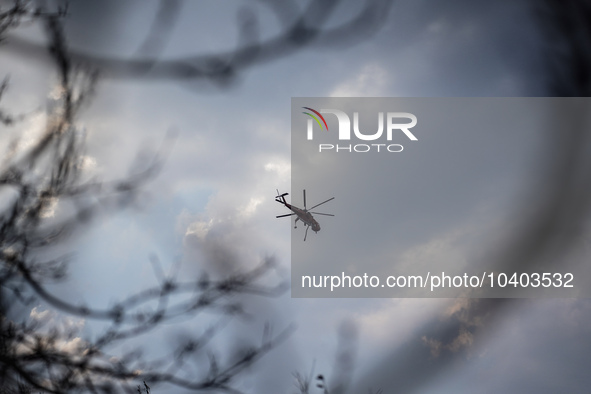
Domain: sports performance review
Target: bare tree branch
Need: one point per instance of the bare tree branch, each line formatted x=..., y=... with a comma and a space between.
x=49, y=173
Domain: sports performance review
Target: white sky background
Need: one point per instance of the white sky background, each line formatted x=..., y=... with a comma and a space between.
x=233, y=151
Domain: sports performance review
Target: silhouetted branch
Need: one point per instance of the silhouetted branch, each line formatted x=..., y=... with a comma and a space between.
x=48, y=174
x=300, y=30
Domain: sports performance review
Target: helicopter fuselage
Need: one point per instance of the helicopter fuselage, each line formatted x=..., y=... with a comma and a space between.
x=303, y=215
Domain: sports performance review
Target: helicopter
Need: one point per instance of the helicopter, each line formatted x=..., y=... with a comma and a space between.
x=302, y=214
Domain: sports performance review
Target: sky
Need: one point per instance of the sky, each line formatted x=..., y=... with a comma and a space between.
x=212, y=205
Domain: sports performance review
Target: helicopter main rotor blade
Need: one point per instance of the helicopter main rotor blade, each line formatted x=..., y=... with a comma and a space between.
x=282, y=216
x=306, y=234
x=318, y=213
x=317, y=205
x=304, y=198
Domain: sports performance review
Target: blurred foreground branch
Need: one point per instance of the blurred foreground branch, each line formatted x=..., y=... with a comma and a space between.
x=300, y=28
x=45, y=201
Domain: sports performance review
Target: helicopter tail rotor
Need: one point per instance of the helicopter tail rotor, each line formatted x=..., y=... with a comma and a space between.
x=280, y=198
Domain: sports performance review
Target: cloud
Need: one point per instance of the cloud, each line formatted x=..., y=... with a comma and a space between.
x=49, y=207
x=42, y=316
x=281, y=167
x=371, y=80
x=433, y=344
x=225, y=233
x=51, y=319
x=87, y=163
x=56, y=332
x=394, y=321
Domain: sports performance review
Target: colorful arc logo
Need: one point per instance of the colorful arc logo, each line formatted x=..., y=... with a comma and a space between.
x=315, y=118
